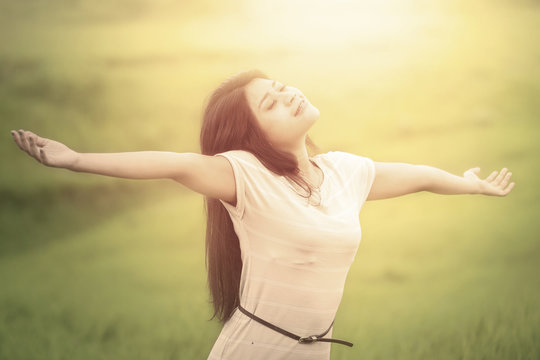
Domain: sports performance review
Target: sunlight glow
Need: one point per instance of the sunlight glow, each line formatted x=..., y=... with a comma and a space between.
x=333, y=23
x=310, y=24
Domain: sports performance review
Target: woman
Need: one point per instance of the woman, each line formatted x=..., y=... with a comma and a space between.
x=282, y=226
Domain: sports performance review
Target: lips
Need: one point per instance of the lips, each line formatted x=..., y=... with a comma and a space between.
x=300, y=107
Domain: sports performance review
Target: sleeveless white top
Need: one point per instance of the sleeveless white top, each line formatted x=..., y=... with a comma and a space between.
x=295, y=255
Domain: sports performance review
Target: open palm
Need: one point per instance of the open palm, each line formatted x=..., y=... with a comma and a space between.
x=46, y=151
x=495, y=184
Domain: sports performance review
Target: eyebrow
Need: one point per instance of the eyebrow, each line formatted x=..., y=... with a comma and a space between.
x=265, y=95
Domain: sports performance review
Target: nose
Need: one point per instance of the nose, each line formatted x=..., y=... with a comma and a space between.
x=292, y=99
x=287, y=96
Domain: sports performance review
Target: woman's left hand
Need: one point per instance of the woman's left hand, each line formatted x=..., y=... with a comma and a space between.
x=495, y=184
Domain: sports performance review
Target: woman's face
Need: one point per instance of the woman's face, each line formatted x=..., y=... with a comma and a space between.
x=283, y=113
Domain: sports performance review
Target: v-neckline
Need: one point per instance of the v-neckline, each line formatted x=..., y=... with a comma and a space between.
x=315, y=160
x=320, y=189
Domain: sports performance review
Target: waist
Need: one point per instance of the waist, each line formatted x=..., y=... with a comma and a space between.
x=302, y=338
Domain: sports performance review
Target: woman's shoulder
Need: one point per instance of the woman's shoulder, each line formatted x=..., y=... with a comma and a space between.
x=337, y=155
x=239, y=154
x=242, y=157
x=344, y=160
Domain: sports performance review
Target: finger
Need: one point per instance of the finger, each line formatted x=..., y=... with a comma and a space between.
x=32, y=147
x=37, y=139
x=32, y=142
x=508, y=189
x=501, y=176
x=43, y=157
x=21, y=141
x=17, y=139
x=491, y=176
x=24, y=143
x=505, y=180
x=41, y=141
x=472, y=171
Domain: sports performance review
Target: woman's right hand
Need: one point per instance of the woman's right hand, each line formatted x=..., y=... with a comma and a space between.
x=46, y=151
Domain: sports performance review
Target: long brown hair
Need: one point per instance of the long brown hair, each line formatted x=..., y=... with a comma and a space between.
x=229, y=124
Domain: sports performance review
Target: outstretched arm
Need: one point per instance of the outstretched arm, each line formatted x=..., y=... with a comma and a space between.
x=195, y=171
x=128, y=165
x=396, y=179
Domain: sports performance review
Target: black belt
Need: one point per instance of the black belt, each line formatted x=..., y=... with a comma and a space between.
x=300, y=339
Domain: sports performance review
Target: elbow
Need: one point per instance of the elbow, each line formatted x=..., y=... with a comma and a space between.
x=178, y=169
x=423, y=179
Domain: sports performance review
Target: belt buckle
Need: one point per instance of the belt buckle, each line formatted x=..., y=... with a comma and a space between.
x=308, y=339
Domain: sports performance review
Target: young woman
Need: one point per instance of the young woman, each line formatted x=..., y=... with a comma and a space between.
x=283, y=225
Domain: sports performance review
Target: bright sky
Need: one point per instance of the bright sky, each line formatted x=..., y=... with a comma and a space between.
x=310, y=24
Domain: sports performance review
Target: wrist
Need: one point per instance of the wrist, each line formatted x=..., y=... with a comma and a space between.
x=74, y=165
x=477, y=187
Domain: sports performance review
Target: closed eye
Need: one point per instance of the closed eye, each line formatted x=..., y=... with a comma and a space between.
x=274, y=102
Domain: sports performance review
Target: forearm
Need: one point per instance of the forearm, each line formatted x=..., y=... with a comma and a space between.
x=441, y=182
x=132, y=165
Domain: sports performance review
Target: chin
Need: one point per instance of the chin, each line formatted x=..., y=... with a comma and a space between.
x=312, y=113
x=316, y=111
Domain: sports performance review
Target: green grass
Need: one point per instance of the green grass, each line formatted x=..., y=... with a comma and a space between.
x=101, y=268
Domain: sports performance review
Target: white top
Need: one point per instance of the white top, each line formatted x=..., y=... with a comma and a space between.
x=295, y=256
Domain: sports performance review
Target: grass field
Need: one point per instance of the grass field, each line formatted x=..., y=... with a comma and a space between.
x=103, y=268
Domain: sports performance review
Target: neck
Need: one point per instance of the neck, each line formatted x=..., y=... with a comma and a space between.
x=308, y=170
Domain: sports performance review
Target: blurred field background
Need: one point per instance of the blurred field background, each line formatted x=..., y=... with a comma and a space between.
x=102, y=268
